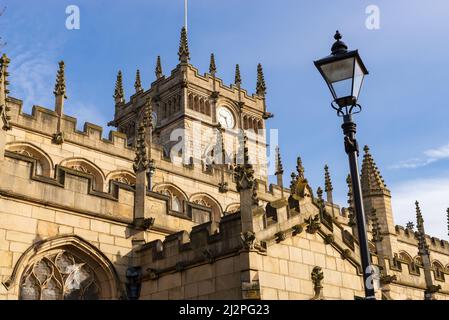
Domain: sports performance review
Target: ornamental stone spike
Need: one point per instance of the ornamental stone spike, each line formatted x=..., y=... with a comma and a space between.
x=328, y=184
x=238, y=78
x=119, y=94
x=212, y=66
x=158, y=70
x=422, y=244
x=138, y=82
x=371, y=179
x=183, y=53
x=299, y=167
x=261, y=88
x=4, y=63
x=60, y=86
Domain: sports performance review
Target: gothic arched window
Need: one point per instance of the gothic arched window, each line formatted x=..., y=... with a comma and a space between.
x=59, y=276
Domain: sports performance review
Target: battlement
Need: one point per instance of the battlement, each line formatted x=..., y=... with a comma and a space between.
x=435, y=244
x=45, y=122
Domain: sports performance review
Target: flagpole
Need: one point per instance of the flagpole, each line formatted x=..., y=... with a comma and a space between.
x=185, y=14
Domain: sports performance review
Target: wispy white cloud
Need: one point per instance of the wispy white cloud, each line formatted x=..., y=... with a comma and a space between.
x=433, y=196
x=429, y=156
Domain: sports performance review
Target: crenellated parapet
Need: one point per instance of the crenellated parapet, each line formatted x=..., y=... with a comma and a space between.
x=411, y=237
x=44, y=122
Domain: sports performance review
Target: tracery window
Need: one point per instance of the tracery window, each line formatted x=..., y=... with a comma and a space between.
x=59, y=276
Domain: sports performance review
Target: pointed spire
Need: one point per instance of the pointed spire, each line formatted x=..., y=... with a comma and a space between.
x=60, y=88
x=238, y=78
x=423, y=247
x=261, y=88
x=328, y=184
x=300, y=168
x=4, y=63
x=158, y=70
x=212, y=66
x=119, y=94
x=142, y=160
x=138, y=82
x=371, y=178
x=279, y=168
x=183, y=53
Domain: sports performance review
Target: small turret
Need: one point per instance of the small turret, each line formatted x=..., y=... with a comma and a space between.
x=237, y=78
x=261, y=88
x=212, y=66
x=119, y=93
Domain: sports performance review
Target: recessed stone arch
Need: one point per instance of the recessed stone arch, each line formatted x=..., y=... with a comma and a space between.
x=177, y=196
x=55, y=263
x=87, y=167
x=207, y=200
x=44, y=164
x=122, y=176
x=232, y=208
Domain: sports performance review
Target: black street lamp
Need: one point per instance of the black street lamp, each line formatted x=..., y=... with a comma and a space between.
x=344, y=72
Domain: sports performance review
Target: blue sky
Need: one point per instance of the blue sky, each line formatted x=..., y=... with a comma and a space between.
x=405, y=112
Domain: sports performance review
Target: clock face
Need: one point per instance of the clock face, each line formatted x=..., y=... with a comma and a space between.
x=225, y=118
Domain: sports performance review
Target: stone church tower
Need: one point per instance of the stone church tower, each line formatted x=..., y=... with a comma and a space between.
x=176, y=204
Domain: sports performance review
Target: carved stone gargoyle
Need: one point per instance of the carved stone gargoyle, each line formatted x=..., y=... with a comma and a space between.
x=317, y=279
x=313, y=224
x=248, y=238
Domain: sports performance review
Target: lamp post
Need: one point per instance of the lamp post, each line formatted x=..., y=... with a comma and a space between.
x=344, y=72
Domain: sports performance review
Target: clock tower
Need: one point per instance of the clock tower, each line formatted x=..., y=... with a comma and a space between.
x=196, y=116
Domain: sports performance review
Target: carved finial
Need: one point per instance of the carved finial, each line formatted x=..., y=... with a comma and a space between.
x=238, y=78
x=261, y=88
x=351, y=214
x=60, y=88
x=339, y=46
x=299, y=167
x=183, y=53
x=423, y=247
x=319, y=193
x=410, y=226
x=158, y=70
x=244, y=172
x=279, y=168
x=4, y=63
x=138, y=82
x=328, y=184
x=119, y=94
x=327, y=180
x=141, y=159
x=212, y=66
x=371, y=179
